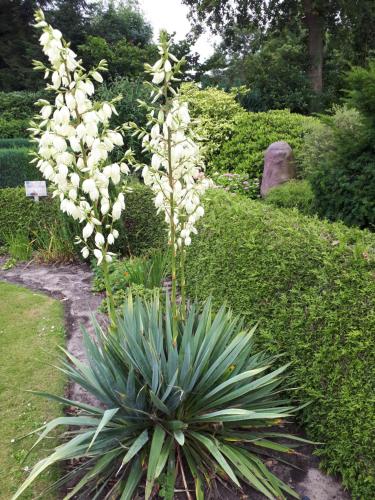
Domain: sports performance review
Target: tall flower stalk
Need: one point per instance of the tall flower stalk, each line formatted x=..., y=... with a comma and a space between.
x=175, y=173
x=74, y=143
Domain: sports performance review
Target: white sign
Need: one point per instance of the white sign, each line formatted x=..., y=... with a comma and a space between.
x=36, y=188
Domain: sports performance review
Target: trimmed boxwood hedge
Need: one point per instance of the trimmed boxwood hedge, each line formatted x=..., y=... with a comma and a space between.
x=15, y=167
x=311, y=286
x=141, y=229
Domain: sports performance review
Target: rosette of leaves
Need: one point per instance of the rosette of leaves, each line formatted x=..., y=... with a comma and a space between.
x=194, y=409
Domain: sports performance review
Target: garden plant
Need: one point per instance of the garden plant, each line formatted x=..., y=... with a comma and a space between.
x=183, y=398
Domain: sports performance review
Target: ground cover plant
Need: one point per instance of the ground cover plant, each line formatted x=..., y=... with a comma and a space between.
x=31, y=328
x=182, y=388
x=310, y=284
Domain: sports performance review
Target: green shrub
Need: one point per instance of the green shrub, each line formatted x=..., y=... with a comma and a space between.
x=215, y=112
x=203, y=404
x=15, y=167
x=11, y=128
x=319, y=139
x=311, y=286
x=254, y=132
x=16, y=111
x=19, y=214
x=292, y=194
x=237, y=183
x=17, y=142
x=141, y=228
x=343, y=180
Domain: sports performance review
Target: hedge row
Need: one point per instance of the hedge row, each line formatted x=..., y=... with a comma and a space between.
x=141, y=228
x=311, y=286
x=15, y=167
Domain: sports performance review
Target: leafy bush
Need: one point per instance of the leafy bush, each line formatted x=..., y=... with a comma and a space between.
x=339, y=161
x=254, y=132
x=18, y=245
x=14, y=143
x=319, y=139
x=343, y=180
x=15, y=167
x=311, y=286
x=128, y=107
x=148, y=271
x=171, y=408
x=215, y=112
x=142, y=228
x=20, y=214
x=11, y=128
x=16, y=110
x=292, y=194
x=237, y=183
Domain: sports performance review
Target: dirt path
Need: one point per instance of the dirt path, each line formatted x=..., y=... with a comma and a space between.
x=71, y=284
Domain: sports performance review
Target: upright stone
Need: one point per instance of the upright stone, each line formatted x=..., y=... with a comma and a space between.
x=279, y=166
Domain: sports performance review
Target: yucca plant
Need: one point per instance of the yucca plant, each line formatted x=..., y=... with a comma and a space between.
x=203, y=407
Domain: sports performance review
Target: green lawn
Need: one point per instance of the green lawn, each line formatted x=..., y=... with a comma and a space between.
x=31, y=327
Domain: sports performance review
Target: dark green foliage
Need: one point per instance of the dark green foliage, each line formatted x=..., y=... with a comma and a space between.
x=15, y=167
x=254, y=132
x=361, y=93
x=206, y=401
x=16, y=111
x=292, y=194
x=14, y=143
x=343, y=179
x=19, y=214
x=142, y=228
x=128, y=107
x=311, y=286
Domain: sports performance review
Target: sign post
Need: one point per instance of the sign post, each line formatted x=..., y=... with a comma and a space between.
x=36, y=189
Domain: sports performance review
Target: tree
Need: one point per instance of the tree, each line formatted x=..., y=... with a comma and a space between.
x=18, y=45
x=318, y=16
x=120, y=21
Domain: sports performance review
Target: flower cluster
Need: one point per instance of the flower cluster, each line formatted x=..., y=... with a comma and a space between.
x=175, y=173
x=74, y=145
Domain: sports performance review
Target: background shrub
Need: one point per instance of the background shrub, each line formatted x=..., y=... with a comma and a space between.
x=19, y=214
x=293, y=194
x=14, y=143
x=16, y=110
x=15, y=167
x=311, y=286
x=142, y=228
x=343, y=173
x=254, y=132
x=215, y=112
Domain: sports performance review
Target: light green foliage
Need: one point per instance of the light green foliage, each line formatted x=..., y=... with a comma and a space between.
x=184, y=403
x=237, y=183
x=15, y=167
x=18, y=245
x=215, y=112
x=148, y=271
x=311, y=286
x=140, y=276
x=31, y=327
x=293, y=194
x=254, y=132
